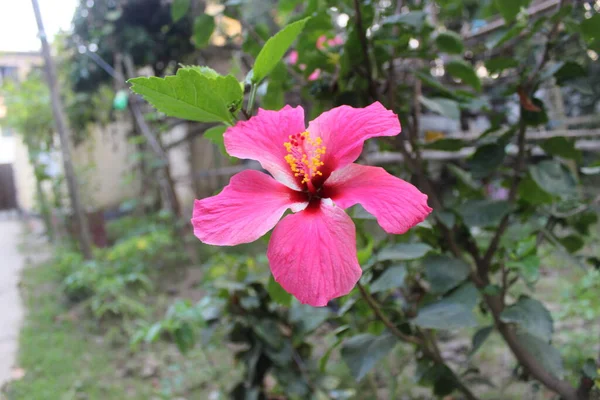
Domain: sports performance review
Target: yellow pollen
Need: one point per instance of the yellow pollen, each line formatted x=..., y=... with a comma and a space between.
x=305, y=155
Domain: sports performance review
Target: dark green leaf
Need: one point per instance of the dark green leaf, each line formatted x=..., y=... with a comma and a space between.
x=191, y=95
x=498, y=64
x=510, y=8
x=552, y=177
x=561, y=147
x=591, y=27
x=392, y=278
x=464, y=71
x=445, y=273
x=569, y=71
x=179, y=8
x=452, y=312
x=546, y=354
x=487, y=159
x=483, y=213
x=215, y=135
x=450, y=42
x=204, y=25
x=362, y=352
x=572, y=243
x=404, y=251
x=530, y=192
x=535, y=118
x=479, y=338
x=509, y=34
x=530, y=316
x=446, y=107
x=184, y=337
x=278, y=294
x=274, y=49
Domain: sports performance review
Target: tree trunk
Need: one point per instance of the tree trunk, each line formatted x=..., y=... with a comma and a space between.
x=63, y=132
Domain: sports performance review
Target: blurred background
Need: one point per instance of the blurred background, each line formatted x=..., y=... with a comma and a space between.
x=106, y=294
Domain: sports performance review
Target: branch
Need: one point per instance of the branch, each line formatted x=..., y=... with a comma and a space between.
x=484, y=266
x=389, y=324
x=365, y=48
x=427, y=345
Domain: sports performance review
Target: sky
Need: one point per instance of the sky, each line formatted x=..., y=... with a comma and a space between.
x=18, y=29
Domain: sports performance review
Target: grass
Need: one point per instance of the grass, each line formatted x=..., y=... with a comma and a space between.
x=66, y=355
x=61, y=359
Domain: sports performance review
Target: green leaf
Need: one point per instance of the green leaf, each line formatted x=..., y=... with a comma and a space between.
x=546, y=354
x=362, y=352
x=307, y=318
x=412, y=19
x=561, y=147
x=568, y=72
x=591, y=27
x=487, y=159
x=483, y=213
x=452, y=312
x=446, y=107
x=590, y=369
x=215, y=135
x=191, y=95
x=430, y=81
x=179, y=8
x=531, y=317
x=528, y=268
x=463, y=176
x=450, y=144
x=510, y=8
x=184, y=337
x=278, y=294
x=445, y=273
x=552, y=177
x=391, y=278
x=530, y=192
x=498, y=64
x=450, y=42
x=464, y=71
x=274, y=49
x=204, y=25
x=572, y=243
x=274, y=99
x=479, y=338
x=535, y=118
x=511, y=33
x=153, y=333
x=403, y=251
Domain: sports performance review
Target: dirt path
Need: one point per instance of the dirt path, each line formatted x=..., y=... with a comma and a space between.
x=11, y=307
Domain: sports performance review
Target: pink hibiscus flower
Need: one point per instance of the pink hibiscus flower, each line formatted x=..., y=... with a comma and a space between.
x=312, y=252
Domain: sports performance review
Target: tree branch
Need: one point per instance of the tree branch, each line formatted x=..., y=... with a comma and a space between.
x=427, y=344
x=365, y=48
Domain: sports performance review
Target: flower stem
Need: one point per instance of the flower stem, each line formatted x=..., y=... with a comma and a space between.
x=253, y=90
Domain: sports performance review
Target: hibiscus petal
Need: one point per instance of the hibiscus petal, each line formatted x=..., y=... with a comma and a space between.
x=245, y=210
x=397, y=205
x=312, y=254
x=344, y=130
x=261, y=138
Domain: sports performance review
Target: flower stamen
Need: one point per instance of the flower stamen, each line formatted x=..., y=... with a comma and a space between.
x=305, y=156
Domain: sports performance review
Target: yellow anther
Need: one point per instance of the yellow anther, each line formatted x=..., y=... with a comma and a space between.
x=304, y=155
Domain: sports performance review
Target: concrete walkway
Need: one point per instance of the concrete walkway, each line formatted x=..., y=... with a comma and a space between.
x=11, y=307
